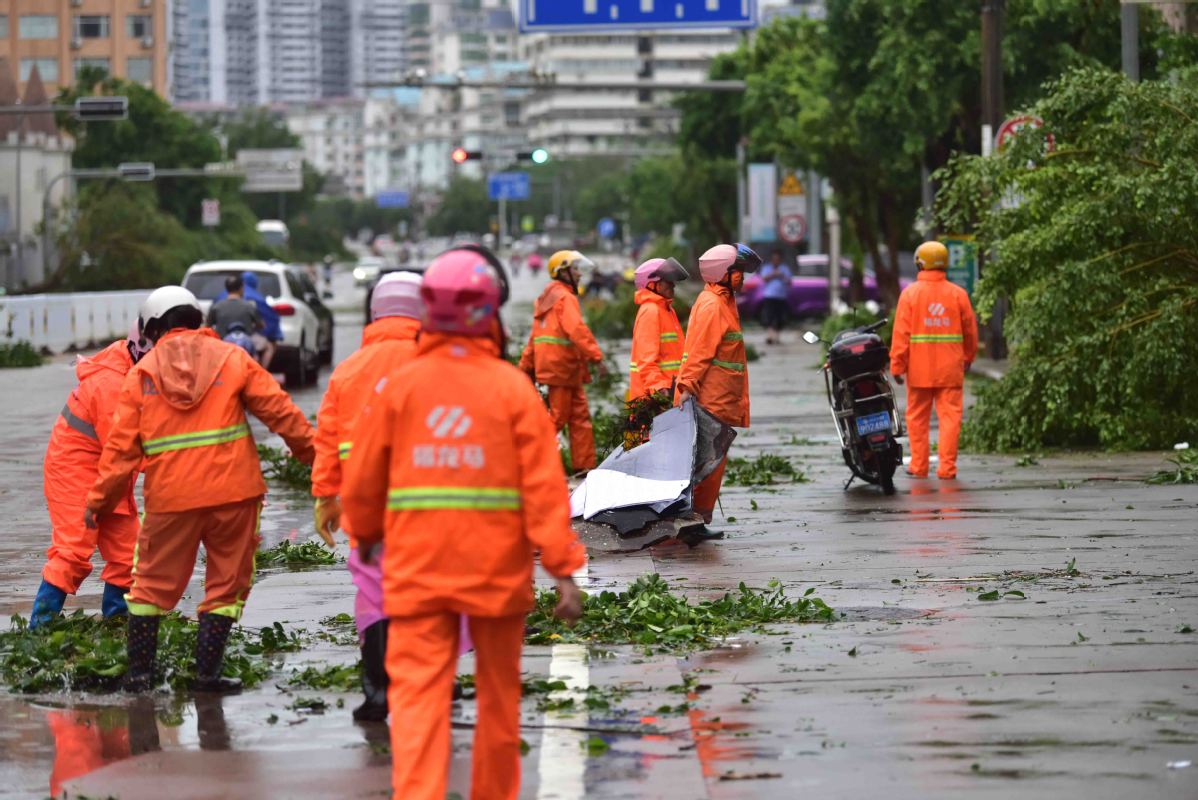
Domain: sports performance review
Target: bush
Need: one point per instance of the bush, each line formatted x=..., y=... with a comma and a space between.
x=19, y=354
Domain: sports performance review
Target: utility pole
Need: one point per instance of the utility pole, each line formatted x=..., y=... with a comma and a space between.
x=1129, y=24
x=742, y=194
x=992, y=117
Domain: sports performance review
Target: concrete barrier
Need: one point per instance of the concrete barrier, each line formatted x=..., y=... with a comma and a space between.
x=61, y=322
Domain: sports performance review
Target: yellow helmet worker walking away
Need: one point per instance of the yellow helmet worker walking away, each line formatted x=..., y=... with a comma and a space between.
x=931, y=255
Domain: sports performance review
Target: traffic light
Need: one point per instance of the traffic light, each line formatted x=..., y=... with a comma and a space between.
x=461, y=155
x=538, y=156
x=101, y=109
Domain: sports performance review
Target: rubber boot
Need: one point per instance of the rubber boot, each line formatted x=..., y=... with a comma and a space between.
x=47, y=604
x=113, y=602
x=142, y=647
x=210, y=652
x=374, y=674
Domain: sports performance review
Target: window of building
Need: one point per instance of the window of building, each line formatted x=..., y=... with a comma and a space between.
x=139, y=26
x=139, y=70
x=98, y=63
x=3, y=26
x=46, y=67
x=91, y=26
x=38, y=26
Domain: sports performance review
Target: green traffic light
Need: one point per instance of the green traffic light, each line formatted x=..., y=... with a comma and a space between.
x=540, y=155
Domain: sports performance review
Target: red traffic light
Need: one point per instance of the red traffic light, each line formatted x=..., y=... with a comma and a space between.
x=461, y=155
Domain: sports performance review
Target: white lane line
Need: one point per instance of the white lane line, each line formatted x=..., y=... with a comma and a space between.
x=562, y=762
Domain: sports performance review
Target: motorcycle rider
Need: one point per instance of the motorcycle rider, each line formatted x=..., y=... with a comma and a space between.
x=657, y=337
x=560, y=346
x=935, y=341
x=714, y=369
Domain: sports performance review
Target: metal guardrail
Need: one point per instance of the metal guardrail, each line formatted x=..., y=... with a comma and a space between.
x=61, y=322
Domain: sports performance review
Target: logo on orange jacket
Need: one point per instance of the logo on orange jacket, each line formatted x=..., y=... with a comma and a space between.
x=451, y=422
x=936, y=318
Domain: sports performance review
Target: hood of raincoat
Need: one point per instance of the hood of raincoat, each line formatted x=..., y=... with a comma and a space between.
x=114, y=357
x=390, y=328
x=185, y=363
x=552, y=295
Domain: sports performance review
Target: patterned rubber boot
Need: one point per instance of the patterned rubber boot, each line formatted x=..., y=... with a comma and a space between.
x=210, y=652
x=142, y=647
x=374, y=674
x=47, y=604
x=113, y=602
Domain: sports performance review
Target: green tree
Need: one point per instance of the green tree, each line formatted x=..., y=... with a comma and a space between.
x=1093, y=243
x=266, y=129
x=464, y=207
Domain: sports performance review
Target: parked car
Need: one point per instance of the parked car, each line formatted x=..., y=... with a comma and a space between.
x=312, y=296
x=307, y=331
x=375, y=282
x=808, y=295
x=367, y=270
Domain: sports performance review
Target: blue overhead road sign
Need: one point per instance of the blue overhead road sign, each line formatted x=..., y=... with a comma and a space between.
x=590, y=15
x=508, y=186
x=392, y=198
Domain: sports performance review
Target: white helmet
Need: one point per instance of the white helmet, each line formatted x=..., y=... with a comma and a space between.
x=162, y=300
x=397, y=294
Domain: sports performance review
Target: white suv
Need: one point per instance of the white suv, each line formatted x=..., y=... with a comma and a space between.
x=303, y=335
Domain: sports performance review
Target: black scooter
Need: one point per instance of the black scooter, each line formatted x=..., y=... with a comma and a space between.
x=862, y=400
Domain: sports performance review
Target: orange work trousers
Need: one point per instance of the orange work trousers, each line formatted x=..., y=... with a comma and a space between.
x=568, y=407
x=166, y=557
x=707, y=492
x=69, y=558
x=948, y=401
x=422, y=657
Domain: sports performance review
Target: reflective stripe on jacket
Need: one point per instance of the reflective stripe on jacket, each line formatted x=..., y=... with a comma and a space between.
x=935, y=332
x=657, y=345
x=714, y=368
x=387, y=344
x=455, y=468
x=560, y=344
x=182, y=408
x=72, y=457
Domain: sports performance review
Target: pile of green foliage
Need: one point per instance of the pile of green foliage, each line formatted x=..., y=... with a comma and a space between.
x=1094, y=246
x=1185, y=471
x=79, y=652
x=19, y=354
x=279, y=465
x=648, y=613
x=764, y=470
x=296, y=557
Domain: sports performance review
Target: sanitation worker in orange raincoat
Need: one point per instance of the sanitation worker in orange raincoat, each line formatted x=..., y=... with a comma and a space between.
x=935, y=341
x=455, y=469
x=388, y=342
x=182, y=409
x=559, y=349
x=68, y=472
x=714, y=369
x=657, y=338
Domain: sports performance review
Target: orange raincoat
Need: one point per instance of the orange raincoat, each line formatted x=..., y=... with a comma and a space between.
x=182, y=408
x=657, y=345
x=69, y=470
x=935, y=339
x=386, y=344
x=462, y=485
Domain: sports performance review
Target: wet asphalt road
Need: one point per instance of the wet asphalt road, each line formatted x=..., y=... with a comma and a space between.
x=1086, y=688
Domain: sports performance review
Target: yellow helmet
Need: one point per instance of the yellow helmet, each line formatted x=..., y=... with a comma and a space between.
x=931, y=255
x=563, y=259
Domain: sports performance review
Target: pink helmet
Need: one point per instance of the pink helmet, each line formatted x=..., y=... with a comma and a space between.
x=138, y=344
x=461, y=294
x=715, y=263
x=397, y=294
x=659, y=269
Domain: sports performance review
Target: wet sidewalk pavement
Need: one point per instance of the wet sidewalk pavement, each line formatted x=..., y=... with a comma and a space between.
x=1086, y=686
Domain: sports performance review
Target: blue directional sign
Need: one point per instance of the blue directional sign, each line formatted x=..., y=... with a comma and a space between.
x=508, y=186
x=594, y=15
x=607, y=227
x=391, y=198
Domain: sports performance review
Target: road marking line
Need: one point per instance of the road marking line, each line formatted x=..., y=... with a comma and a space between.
x=562, y=763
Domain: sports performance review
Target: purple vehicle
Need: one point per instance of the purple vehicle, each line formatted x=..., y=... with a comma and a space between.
x=808, y=296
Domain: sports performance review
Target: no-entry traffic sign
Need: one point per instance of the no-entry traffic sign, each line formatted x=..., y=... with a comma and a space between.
x=792, y=228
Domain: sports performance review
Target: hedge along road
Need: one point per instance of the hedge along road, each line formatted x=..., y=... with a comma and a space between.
x=1087, y=685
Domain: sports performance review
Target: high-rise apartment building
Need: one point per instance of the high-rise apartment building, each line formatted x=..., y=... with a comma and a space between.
x=127, y=38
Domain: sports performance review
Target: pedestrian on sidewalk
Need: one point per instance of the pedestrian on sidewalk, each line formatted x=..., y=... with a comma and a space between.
x=657, y=337
x=775, y=306
x=182, y=411
x=559, y=351
x=69, y=470
x=455, y=469
x=935, y=342
x=714, y=370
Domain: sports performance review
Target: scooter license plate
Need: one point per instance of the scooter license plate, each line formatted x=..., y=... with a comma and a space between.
x=872, y=423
